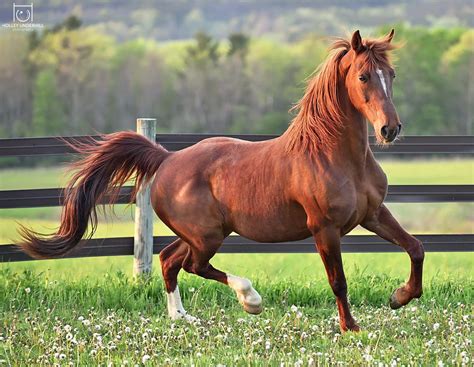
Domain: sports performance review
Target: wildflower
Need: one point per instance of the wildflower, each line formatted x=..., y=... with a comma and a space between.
x=86, y=322
x=435, y=326
x=67, y=328
x=127, y=329
x=294, y=308
x=192, y=290
x=367, y=357
x=145, y=358
x=413, y=309
x=27, y=290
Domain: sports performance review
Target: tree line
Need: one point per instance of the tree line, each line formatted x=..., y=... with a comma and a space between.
x=73, y=79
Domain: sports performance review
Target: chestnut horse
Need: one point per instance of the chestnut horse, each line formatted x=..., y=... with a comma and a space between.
x=318, y=179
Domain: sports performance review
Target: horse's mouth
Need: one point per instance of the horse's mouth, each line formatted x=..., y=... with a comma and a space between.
x=390, y=141
x=385, y=141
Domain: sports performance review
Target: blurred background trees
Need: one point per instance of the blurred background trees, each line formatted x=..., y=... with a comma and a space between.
x=82, y=78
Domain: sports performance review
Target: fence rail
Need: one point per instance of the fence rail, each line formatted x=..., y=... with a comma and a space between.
x=38, y=198
x=407, y=145
x=458, y=145
x=235, y=244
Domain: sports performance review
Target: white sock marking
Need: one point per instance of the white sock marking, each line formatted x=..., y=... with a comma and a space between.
x=247, y=296
x=382, y=80
x=175, y=307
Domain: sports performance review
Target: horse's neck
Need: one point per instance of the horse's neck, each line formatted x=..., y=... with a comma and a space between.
x=352, y=144
x=354, y=139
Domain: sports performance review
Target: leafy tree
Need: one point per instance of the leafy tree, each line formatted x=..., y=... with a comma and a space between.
x=203, y=51
x=48, y=114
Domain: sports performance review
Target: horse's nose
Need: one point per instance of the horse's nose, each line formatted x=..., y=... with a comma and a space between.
x=390, y=134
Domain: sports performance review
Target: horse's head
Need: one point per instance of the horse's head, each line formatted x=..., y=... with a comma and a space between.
x=368, y=79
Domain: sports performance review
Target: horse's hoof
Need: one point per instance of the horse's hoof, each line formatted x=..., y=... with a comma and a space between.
x=394, y=304
x=354, y=328
x=349, y=326
x=179, y=315
x=253, y=309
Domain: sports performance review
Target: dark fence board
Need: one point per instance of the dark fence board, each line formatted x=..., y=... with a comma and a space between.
x=236, y=244
x=36, y=198
x=406, y=145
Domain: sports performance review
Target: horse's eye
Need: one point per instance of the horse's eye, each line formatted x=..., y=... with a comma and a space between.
x=393, y=76
x=363, y=78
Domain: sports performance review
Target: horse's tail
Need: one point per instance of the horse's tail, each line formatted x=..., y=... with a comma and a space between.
x=108, y=164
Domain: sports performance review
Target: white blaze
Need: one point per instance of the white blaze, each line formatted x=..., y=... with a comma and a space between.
x=382, y=80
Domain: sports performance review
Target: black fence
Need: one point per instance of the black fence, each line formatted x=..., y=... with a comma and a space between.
x=408, y=146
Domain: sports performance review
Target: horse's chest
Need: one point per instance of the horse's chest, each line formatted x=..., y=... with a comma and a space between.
x=364, y=199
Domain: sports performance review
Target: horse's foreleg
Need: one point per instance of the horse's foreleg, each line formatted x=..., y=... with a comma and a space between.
x=386, y=226
x=171, y=259
x=328, y=242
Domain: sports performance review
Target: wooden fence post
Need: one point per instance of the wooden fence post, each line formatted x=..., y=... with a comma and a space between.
x=143, y=240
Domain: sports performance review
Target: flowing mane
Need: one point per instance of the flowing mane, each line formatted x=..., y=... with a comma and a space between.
x=320, y=116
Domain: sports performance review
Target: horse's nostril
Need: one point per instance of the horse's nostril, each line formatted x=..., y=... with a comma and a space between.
x=384, y=131
x=399, y=128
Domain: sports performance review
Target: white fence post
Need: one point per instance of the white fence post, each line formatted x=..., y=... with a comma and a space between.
x=143, y=241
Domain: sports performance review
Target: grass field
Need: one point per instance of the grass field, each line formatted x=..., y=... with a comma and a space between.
x=92, y=312
x=113, y=320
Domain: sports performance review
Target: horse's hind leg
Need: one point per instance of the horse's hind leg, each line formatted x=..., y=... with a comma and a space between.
x=171, y=258
x=197, y=262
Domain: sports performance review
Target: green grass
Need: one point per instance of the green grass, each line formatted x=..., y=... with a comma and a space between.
x=113, y=319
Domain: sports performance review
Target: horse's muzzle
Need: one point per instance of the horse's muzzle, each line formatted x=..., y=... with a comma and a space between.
x=388, y=134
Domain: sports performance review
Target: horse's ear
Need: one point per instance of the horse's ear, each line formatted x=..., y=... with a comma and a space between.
x=356, y=42
x=389, y=37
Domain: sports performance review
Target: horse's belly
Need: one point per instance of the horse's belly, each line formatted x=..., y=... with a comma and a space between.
x=285, y=223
